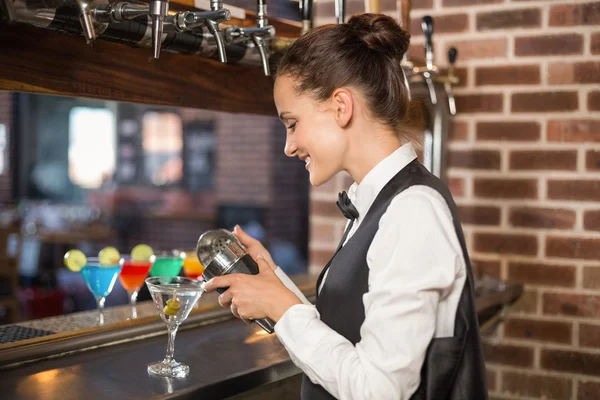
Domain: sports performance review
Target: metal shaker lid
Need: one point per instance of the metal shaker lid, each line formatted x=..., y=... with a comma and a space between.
x=220, y=246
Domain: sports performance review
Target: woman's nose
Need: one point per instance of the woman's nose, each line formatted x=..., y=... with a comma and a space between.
x=290, y=149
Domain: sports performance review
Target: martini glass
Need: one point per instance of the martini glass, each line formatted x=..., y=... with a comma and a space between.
x=100, y=279
x=132, y=278
x=167, y=291
x=166, y=263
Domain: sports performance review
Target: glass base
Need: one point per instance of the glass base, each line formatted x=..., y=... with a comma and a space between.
x=171, y=369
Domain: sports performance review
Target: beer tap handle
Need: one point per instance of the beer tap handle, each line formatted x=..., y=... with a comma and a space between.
x=340, y=11
x=427, y=26
x=86, y=20
x=213, y=27
x=306, y=10
x=405, y=8
x=452, y=53
x=158, y=11
x=259, y=42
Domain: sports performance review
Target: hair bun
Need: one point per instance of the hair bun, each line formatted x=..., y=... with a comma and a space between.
x=380, y=33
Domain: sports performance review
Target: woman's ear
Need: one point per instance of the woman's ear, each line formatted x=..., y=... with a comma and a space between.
x=343, y=104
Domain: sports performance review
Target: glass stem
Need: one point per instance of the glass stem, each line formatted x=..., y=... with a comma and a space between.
x=132, y=301
x=100, y=303
x=171, y=343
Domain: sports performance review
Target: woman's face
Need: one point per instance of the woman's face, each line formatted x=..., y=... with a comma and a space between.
x=313, y=134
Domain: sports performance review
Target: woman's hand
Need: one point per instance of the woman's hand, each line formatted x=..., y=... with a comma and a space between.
x=254, y=296
x=253, y=246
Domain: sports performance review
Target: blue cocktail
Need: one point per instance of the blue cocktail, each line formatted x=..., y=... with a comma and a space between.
x=100, y=279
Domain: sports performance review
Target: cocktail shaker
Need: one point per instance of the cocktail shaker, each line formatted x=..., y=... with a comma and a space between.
x=221, y=253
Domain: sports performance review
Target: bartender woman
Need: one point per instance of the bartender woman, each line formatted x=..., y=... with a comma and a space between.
x=395, y=315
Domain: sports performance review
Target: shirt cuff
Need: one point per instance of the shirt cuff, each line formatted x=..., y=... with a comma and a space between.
x=294, y=322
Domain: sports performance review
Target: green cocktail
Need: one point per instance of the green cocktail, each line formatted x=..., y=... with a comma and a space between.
x=167, y=264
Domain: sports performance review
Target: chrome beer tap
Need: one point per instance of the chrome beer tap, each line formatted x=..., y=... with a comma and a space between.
x=306, y=11
x=430, y=70
x=452, y=53
x=340, y=11
x=189, y=20
x=158, y=11
x=86, y=20
x=260, y=36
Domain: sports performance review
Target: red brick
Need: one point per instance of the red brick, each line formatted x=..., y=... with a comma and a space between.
x=570, y=361
x=556, y=160
x=592, y=160
x=530, y=217
x=483, y=268
x=582, y=190
x=508, y=131
x=479, y=103
x=542, y=274
x=322, y=232
x=323, y=208
x=537, y=386
x=457, y=186
x=508, y=75
x=591, y=220
x=479, y=215
x=474, y=159
x=589, y=335
x=321, y=257
x=575, y=14
x=479, y=49
x=458, y=131
x=574, y=130
x=572, y=305
x=588, y=390
x=417, y=5
x=452, y=3
x=591, y=277
x=593, y=101
x=522, y=18
x=505, y=243
x=527, y=303
x=544, y=102
x=572, y=247
x=450, y=23
x=549, y=45
x=505, y=188
x=568, y=73
x=518, y=356
x=491, y=379
x=595, y=43
x=543, y=331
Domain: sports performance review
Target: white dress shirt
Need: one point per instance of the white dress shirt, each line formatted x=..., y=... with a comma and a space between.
x=416, y=276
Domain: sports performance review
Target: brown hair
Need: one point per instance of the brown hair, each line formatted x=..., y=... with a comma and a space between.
x=364, y=53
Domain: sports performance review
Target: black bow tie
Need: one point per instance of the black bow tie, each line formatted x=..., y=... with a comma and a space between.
x=346, y=206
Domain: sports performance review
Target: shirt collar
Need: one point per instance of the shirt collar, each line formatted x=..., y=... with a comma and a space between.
x=363, y=195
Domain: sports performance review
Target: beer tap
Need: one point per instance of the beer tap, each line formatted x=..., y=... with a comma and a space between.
x=340, y=11
x=189, y=20
x=452, y=53
x=85, y=19
x=259, y=35
x=158, y=11
x=306, y=10
x=430, y=70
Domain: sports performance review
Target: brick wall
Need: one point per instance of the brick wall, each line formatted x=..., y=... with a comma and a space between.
x=5, y=119
x=524, y=167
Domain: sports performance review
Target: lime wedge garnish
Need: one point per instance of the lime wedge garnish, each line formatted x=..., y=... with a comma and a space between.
x=75, y=260
x=142, y=252
x=109, y=256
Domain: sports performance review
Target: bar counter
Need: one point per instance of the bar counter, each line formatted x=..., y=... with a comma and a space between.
x=227, y=358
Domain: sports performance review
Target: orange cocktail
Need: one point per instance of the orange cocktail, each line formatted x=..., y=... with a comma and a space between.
x=192, y=268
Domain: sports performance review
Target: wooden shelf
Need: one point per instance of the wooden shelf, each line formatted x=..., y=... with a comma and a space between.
x=41, y=61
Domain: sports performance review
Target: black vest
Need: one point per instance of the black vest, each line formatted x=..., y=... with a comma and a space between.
x=453, y=368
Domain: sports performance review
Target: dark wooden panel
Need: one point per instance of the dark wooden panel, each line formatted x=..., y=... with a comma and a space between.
x=41, y=61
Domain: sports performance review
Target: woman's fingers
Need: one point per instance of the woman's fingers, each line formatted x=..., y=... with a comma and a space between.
x=225, y=298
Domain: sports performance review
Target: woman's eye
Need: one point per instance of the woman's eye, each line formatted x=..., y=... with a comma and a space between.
x=292, y=127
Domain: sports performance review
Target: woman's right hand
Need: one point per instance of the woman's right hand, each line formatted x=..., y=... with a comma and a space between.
x=254, y=247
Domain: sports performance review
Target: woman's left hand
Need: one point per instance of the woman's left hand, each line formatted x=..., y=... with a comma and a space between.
x=254, y=296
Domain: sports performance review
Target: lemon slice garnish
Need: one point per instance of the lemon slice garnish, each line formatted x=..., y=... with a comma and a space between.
x=75, y=260
x=142, y=252
x=109, y=256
